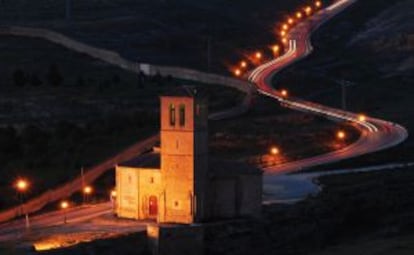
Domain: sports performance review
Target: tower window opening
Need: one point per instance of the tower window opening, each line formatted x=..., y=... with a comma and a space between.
x=182, y=115
x=172, y=114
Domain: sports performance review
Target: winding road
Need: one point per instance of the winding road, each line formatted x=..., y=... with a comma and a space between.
x=375, y=135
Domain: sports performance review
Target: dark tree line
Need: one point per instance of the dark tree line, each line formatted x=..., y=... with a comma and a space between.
x=53, y=77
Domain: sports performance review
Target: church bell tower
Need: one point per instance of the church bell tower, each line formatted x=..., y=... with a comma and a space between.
x=184, y=158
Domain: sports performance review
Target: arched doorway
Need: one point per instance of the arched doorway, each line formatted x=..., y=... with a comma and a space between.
x=153, y=206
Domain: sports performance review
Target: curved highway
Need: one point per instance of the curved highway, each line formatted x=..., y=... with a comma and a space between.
x=375, y=135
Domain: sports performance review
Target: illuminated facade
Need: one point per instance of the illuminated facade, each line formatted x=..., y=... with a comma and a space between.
x=180, y=184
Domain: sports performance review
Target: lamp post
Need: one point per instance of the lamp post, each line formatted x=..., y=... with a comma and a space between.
x=341, y=135
x=22, y=186
x=87, y=191
x=274, y=151
x=64, y=205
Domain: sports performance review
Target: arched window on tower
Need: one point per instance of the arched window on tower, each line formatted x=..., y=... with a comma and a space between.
x=182, y=115
x=172, y=114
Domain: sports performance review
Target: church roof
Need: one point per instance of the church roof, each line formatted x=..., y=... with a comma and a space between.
x=217, y=167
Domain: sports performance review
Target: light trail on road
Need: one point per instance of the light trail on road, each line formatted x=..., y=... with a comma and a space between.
x=376, y=134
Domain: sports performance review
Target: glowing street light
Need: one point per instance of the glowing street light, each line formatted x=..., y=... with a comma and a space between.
x=243, y=64
x=276, y=49
x=285, y=26
x=308, y=10
x=274, y=150
x=298, y=15
x=87, y=191
x=22, y=185
x=290, y=21
x=258, y=55
x=362, y=117
x=284, y=92
x=64, y=205
x=113, y=193
x=284, y=40
x=237, y=72
x=283, y=33
x=318, y=4
x=341, y=135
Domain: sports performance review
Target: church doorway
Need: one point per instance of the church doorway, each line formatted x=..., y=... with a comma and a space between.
x=153, y=206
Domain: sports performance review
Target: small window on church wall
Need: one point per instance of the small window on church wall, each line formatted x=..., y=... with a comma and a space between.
x=176, y=204
x=152, y=180
x=182, y=115
x=172, y=114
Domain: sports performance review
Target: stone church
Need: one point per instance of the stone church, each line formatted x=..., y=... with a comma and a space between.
x=179, y=183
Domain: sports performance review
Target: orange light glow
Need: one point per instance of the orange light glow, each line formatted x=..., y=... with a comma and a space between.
x=275, y=49
x=341, y=135
x=64, y=204
x=285, y=26
x=298, y=15
x=258, y=55
x=282, y=33
x=290, y=21
x=113, y=193
x=362, y=117
x=284, y=92
x=284, y=40
x=237, y=72
x=22, y=185
x=274, y=150
x=87, y=190
x=318, y=4
x=308, y=10
x=243, y=64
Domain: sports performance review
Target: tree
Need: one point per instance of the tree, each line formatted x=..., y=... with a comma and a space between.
x=19, y=78
x=54, y=76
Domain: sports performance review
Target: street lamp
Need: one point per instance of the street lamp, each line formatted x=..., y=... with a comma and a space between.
x=64, y=205
x=290, y=21
x=258, y=55
x=298, y=15
x=274, y=151
x=243, y=64
x=284, y=92
x=276, y=49
x=237, y=72
x=341, y=135
x=22, y=185
x=308, y=10
x=318, y=4
x=87, y=190
x=362, y=118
